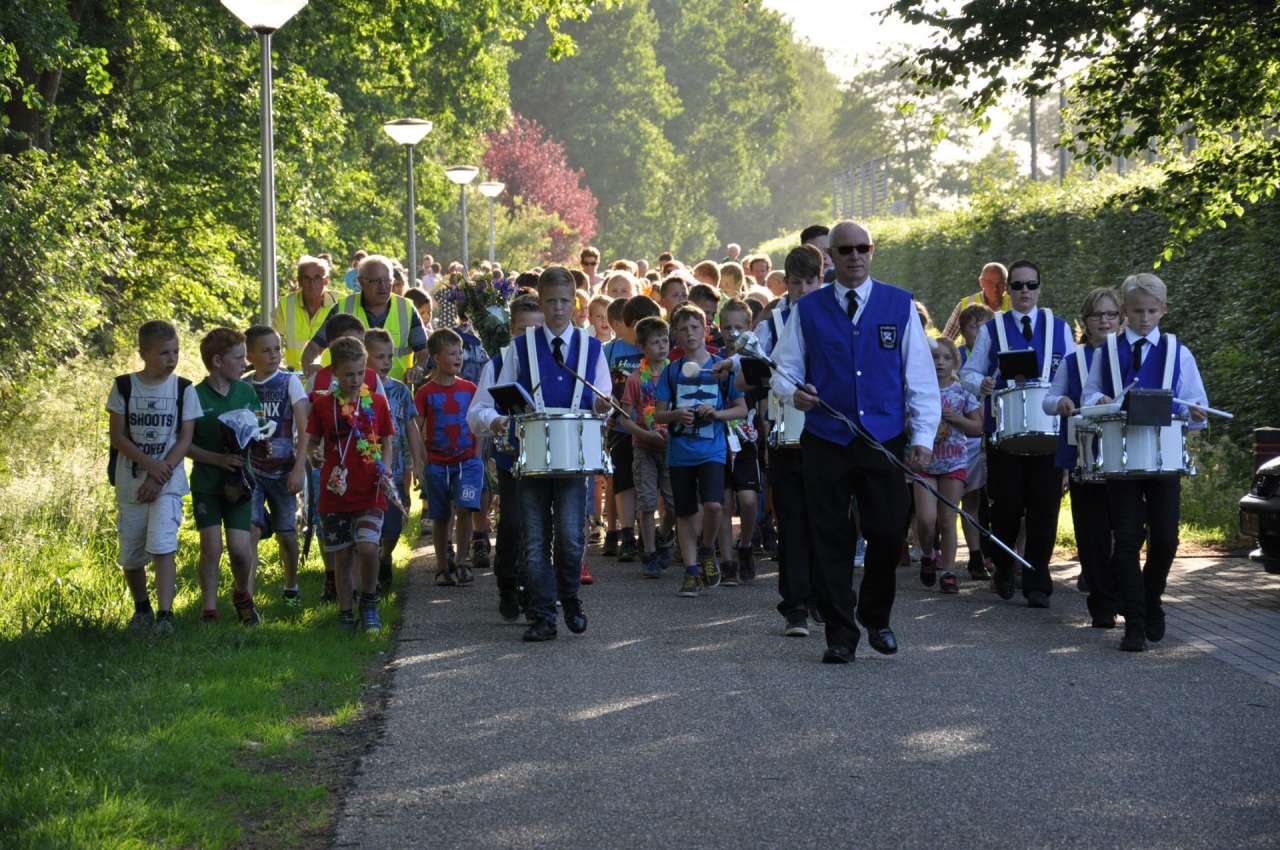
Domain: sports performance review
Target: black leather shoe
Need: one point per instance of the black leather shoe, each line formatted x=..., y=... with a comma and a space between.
x=1155, y=623
x=540, y=631
x=882, y=641
x=573, y=616
x=837, y=655
x=815, y=615
x=509, y=605
x=1037, y=599
x=1004, y=582
x=1100, y=622
x=1134, y=640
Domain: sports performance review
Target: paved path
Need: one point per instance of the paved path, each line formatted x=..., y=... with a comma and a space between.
x=679, y=723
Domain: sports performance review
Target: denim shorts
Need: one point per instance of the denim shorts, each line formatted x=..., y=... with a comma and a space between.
x=453, y=485
x=274, y=493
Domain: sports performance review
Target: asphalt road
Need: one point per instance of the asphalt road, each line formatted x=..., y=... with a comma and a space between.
x=692, y=723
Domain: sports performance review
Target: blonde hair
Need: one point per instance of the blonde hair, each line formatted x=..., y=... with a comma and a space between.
x=731, y=271
x=602, y=300
x=937, y=343
x=1090, y=305
x=1146, y=283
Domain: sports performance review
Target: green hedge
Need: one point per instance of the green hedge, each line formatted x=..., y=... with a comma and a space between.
x=1224, y=298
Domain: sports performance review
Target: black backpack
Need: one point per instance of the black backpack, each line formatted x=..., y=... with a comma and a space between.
x=124, y=386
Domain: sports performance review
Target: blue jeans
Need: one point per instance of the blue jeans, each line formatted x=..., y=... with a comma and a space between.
x=554, y=510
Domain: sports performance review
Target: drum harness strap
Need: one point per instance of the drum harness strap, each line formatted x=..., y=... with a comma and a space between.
x=535, y=378
x=1003, y=341
x=1171, y=352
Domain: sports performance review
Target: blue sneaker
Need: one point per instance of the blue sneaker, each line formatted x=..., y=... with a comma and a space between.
x=372, y=622
x=652, y=566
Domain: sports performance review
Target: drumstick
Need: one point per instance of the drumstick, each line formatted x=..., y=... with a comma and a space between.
x=1204, y=408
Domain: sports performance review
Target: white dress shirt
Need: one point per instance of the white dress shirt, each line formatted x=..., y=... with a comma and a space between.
x=481, y=413
x=1189, y=387
x=975, y=368
x=1058, y=386
x=919, y=381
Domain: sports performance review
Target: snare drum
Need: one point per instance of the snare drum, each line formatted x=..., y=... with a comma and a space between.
x=1022, y=426
x=788, y=424
x=1111, y=448
x=561, y=445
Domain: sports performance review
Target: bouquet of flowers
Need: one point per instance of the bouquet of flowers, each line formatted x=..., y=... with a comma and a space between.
x=484, y=302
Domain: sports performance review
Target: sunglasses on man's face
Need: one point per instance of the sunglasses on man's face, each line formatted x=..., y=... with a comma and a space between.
x=1019, y=285
x=846, y=250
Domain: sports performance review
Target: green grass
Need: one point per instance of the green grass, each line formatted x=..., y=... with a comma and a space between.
x=213, y=737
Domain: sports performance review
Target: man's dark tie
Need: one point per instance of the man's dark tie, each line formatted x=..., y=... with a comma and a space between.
x=1137, y=357
x=558, y=350
x=1026, y=328
x=852, y=298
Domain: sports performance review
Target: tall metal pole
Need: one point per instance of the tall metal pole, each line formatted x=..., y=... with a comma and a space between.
x=1035, y=143
x=466, y=252
x=410, y=213
x=491, y=230
x=267, y=225
x=1062, y=150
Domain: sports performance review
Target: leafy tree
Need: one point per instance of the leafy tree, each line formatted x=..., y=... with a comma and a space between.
x=1155, y=73
x=534, y=168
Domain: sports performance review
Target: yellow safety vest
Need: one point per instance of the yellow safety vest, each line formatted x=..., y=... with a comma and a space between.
x=296, y=328
x=398, y=324
x=976, y=298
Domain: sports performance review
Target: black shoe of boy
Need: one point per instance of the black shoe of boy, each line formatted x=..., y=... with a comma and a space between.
x=627, y=549
x=330, y=593
x=746, y=565
x=142, y=621
x=247, y=612
x=729, y=574
x=480, y=549
x=610, y=544
x=978, y=567
x=574, y=617
x=540, y=631
x=385, y=576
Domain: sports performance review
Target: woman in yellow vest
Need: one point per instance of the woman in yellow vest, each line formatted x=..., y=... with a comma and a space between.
x=994, y=294
x=303, y=311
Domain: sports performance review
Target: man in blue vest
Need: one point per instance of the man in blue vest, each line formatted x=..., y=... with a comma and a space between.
x=553, y=509
x=1022, y=487
x=858, y=345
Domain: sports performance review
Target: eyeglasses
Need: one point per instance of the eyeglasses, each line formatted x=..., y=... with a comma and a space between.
x=376, y=281
x=308, y=277
x=846, y=250
x=1019, y=285
x=1104, y=314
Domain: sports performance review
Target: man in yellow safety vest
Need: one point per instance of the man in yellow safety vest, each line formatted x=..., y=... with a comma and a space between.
x=303, y=311
x=377, y=307
x=994, y=294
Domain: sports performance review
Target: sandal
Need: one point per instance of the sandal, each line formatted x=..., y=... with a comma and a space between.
x=465, y=576
x=949, y=583
x=446, y=578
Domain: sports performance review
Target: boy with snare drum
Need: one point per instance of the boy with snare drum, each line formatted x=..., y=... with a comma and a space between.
x=1141, y=357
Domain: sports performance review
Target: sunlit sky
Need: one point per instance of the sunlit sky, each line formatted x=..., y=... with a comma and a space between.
x=850, y=31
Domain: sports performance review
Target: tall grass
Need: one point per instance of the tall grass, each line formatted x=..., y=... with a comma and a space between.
x=107, y=740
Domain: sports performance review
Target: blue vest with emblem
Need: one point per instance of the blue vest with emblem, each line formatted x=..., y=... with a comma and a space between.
x=1150, y=375
x=857, y=370
x=557, y=384
x=1013, y=334
x=503, y=460
x=1065, y=457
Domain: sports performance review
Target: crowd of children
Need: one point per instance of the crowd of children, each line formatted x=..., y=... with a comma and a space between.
x=689, y=452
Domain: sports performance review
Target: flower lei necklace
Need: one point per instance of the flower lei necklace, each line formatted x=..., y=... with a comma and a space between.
x=647, y=371
x=359, y=413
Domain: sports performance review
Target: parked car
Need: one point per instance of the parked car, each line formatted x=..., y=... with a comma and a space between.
x=1260, y=515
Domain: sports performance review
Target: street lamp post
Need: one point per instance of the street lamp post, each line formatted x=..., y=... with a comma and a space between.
x=462, y=175
x=265, y=17
x=408, y=132
x=491, y=189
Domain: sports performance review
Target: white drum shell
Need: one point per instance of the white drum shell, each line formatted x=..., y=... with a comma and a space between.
x=1108, y=447
x=1022, y=426
x=788, y=425
x=561, y=445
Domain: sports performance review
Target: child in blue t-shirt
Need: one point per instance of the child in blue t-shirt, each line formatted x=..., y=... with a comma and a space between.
x=696, y=404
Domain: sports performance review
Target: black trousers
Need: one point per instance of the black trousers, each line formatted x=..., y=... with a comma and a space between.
x=1133, y=503
x=795, y=554
x=1027, y=486
x=833, y=474
x=1091, y=516
x=508, y=552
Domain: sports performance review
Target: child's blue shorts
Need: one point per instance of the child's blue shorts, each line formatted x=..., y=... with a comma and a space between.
x=454, y=485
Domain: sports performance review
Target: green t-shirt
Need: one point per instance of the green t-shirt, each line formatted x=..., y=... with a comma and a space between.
x=206, y=478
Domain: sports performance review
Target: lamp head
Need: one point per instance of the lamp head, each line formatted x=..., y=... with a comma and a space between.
x=264, y=16
x=491, y=188
x=407, y=131
x=461, y=174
